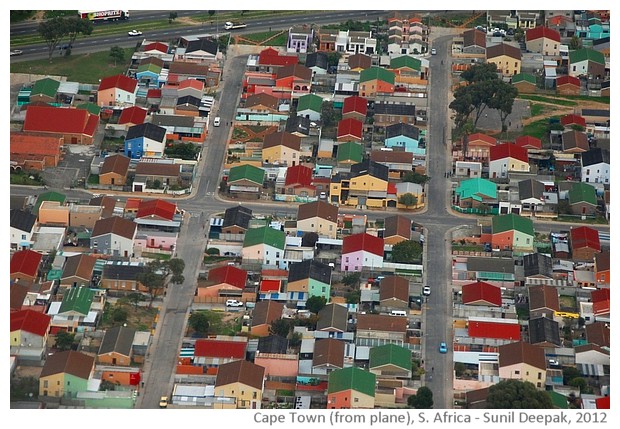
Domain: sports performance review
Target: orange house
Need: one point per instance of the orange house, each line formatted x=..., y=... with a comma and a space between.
x=376, y=80
x=53, y=214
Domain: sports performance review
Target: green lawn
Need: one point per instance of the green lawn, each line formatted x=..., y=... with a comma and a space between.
x=537, y=109
x=538, y=129
x=86, y=68
x=24, y=178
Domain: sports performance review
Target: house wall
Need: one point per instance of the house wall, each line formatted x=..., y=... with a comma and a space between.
x=276, y=366
x=18, y=236
x=501, y=167
x=310, y=114
x=214, y=291
x=502, y=240
x=247, y=397
x=525, y=87
x=354, y=115
x=115, y=97
x=282, y=155
x=384, y=120
x=586, y=67
x=367, y=183
x=268, y=255
x=592, y=357
x=153, y=241
x=507, y=65
x=568, y=89
x=394, y=239
x=603, y=277
x=114, y=358
x=28, y=339
x=543, y=46
x=522, y=241
x=123, y=285
x=298, y=286
x=112, y=244
x=260, y=330
x=584, y=253
x=410, y=145
x=53, y=214
x=123, y=378
x=112, y=179
x=597, y=173
x=524, y=372
x=349, y=399
x=355, y=261
x=321, y=226
x=84, y=219
x=582, y=208
x=52, y=385
x=317, y=288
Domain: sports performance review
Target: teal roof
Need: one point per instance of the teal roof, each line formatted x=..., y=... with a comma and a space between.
x=248, y=172
x=265, y=235
x=477, y=189
x=582, y=192
x=511, y=222
x=524, y=77
x=405, y=61
x=350, y=151
x=586, y=54
x=352, y=378
x=46, y=86
x=48, y=196
x=78, y=299
x=310, y=101
x=378, y=73
x=390, y=354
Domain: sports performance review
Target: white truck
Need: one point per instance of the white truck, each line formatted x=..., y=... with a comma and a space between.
x=229, y=25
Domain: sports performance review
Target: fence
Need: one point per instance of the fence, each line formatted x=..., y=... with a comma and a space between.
x=473, y=210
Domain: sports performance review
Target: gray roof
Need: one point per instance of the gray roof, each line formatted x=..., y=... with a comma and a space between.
x=122, y=272
x=173, y=120
x=317, y=59
x=309, y=269
x=22, y=220
x=298, y=124
x=394, y=109
x=332, y=316
x=402, y=129
x=118, y=339
x=543, y=330
x=188, y=100
x=531, y=188
x=237, y=216
x=537, y=264
x=595, y=156
x=147, y=130
x=495, y=265
x=371, y=167
x=272, y=344
x=207, y=45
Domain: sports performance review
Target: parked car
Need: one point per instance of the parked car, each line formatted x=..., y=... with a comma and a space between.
x=233, y=303
x=433, y=51
x=16, y=52
x=134, y=33
x=426, y=291
x=443, y=348
x=163, y=402
x=216, y=121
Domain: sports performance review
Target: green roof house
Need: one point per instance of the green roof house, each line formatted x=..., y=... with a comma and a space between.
x=512, y=232
x=246, y=178
x=48, y=196
x=76, y=302
x=406, y=63
x=264, y=245
x=474, y=192
x=376, y=80
x=524, y=82
x=351, y=387
x=309, y=106
x=91, y=107
x=582, y=199
x=349, y=153
x=583, y=62
x=390, y=361
x=44, y=91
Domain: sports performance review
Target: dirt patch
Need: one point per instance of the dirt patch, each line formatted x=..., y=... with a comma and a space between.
x=28, y=371
x=187, y=21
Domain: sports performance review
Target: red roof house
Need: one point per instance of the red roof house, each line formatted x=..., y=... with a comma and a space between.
x=363, y=241
x=212, y=352
x=568, y=85
x=601, y=302
x=584, y=242
x=501, y=329
x=31, y=322
x=482, y=293
x=477, y=145
x=132, y=116
x=572, y=119
x=229, y=275
x=78, y=126
x=508, y=150
x=349, y=130
x=119, y=81
x=355, y=107
x=540, y=32
x=25, y=264
x=157, y=208
x=267, y=286
x=299, y=180
x=156, y=46
x=528, y=142
x=34, y=150
x=271, y=57
x=543, y=40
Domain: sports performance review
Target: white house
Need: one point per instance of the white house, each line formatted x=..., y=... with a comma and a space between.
x=22, y=228
x=595, y=166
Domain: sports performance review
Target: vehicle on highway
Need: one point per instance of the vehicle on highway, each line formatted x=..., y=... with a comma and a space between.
x=134, y=33
x=163, y=402
x=233, y=303
x=443, y=348
x=426, y=291
x=16, y=52
x=433, y=51
x=216, y=121
x=103, y=15
x=229, y=25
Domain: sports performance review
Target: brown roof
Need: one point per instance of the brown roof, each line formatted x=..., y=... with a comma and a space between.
x=503, y=49
x=106, y=203
x=115, y=225
x=397, y=226
x=394, y=287
x=543, y=296
x=262, y=99
x=379, y=322
x=360, y=61
x=240, y=371
x=152, y=60
x=18, y=293
x=332, y=317
x=69, y=362
x=575, y=140
x=598, y=333
x=297, y=70
x=80, y=266
x=319, y=209
x=266, y=312
x=282, y=138
x=33, y=143
x=116, y=163
x=399, y=156
x=328, y=352
x=588, y=347
x=521, y=352
x=157, y=169
x=182, y=68
x=602, y=261
x=474, y=37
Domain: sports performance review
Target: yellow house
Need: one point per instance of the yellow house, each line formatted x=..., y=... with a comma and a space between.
x=523, y=361
x=507, y=58
x=365, y=185
x=281, y=148
x=319, y=217
x=242, y=381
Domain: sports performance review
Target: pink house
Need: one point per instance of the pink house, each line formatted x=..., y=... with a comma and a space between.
x=156, y=240
x=361, y=251
x=118, y=90
x=278, y=365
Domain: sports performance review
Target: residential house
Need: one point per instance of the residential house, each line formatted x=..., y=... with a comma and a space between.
x=53, y=213
x=523, y=361
x=347, y=42
x=582, y=199
x=586, y=62
x=528, y=142
x=543, y=40
x=574, y=142
x=228, y=279
x=475, y=193
x=75, y=126
x=544, y=301
x=148, y=72
x=190, y=88
x=387, y=113
x=352, y=388
x=403, y=188
x=355, y=107
x=123, y=277
x=591, y=355
x=531, y=196
x=310, y=106
x=595, y=166
x=397, y=229
x=246, y=179
x=332, y=318
x=506, y=158
x=319, y=217
x=179, y=71
x=45, y=91
x=242, y=381
x=65, y=374
x=116, y=346
x=404, y=135
x=573, y=119
x=328, y=356
x=374, y=328
x=361, y=251
x=298, y=181
x=390, y=361
x=155, y=175
x=537, y=266
x=281, y=147
x=349, y=153
x=298, y=126
x=197, y=50
x=568, y=85
x=585, y=243
x=506, y=57
x=544, y=332
x=297, y=79
x=29, y=334
x=270, y=60
x=113, y=236
x=598, y=333
x=145, y=140
x=398, y=163
x=25, y=265
x=601, y=304
x=512, y=232
x=78, y=271
x=407, y=69
x=188, y=105
x=300, y=38
x=84, y=216
x=215, y=352
x=317, y=62
x=117, y=90
x=236, y=220
x=474, y=42
x=114, y=170
x=264, y=313
x=264, y=245
x=349, y=130
x=22, y=227
x=311, y=277
x=366, y=185
x=34, y=151
x=496, y=329
x=524, y=82
x=376, y=81
x=359, y=62
x=481, y=293
x=477, y=146
x=602, y=268
x=467, y=169
x=394, y=293
x=158, y=215
x=263, y=108
x=131, y=116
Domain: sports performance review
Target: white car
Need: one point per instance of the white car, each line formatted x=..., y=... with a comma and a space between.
x=16, y=52
x=134, y=33
x=233, y=303
x=426, y=291
x=216, y=121
x=433, y=51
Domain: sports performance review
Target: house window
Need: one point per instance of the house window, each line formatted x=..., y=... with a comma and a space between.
x=517, y=372
x=254, y=395
x=540, y=376
x=23, y=236
x=46, y=384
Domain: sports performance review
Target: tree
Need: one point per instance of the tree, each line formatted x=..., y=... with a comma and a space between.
x=408, y=199
x=503, y=100
x=172, y=17
x=176, y=266
x=575, y=43
x=77, y=26
x=64, y=340
x=422, y=400
x=153, y=279
x=134, y=298
x=309, y=239
x=119, y=314
x=117, y=54
x=351, y=280
x=406, y=252
x=52, y=31
x=295, y=340
x=213, y=251
x=315, y=303
x=280, y=327
x=211, y=13
x=517, y=394
x=328, y=114
x=569, y=373
x=177, y=279
x=199, y=321
x=333, y=58
x=415, y=177
x=156, y=184
x=353, y=297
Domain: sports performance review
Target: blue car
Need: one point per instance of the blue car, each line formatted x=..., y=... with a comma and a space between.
x=443, y=348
